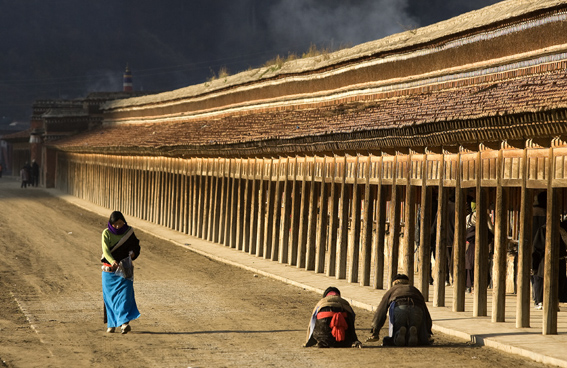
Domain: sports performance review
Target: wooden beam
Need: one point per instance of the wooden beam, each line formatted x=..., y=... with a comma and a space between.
x=551, y=265
x=394, y=240
x=285, y=216
x=240, y=207
x=303, y=209
x=311, y=219
x=409, y=226
x=500, y=246
x=480, y=301
x=367, y=226
x=246, y=208
x=261, y=210
x=354, y=236
x=321, y=238
x=425, y=235
x=524, y=249
x=459, y=245
x=294, y=216
x=331, y=254
x=440, y=246
x=343, y=225
x=269, y=212
x=380, y=234
x=253, y=225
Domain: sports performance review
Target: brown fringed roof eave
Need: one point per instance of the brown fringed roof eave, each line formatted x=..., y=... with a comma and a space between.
x=498, y=128
x=431, y=116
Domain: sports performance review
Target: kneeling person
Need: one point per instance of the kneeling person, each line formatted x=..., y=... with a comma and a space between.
x=410, y=322
x=332, y=322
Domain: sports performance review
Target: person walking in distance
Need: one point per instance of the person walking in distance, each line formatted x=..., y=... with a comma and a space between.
x=34, y=173
x=24, y=176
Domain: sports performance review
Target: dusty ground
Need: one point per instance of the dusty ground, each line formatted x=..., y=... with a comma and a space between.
x=195, y=312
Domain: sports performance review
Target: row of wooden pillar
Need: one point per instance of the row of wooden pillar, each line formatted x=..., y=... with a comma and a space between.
x=325, y=214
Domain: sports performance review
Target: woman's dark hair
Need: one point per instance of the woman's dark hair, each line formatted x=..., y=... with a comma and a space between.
x=329, y=289
x=115, y=216
x=400, y=276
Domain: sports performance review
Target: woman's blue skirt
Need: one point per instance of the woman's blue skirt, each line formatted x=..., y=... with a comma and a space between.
x=118, y=294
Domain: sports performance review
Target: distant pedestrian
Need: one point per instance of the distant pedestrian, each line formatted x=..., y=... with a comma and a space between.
x=24, y=177
x=34, y=173
x=410, y=321
x=119, y=248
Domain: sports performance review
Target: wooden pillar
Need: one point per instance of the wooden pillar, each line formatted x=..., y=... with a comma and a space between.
x=194, y=202
x=227, y=205
x=178, y=197
x=286, y=215
x=187, y=193
x=235, y=186
x=175, y=195
x=294, y=216
x=246, y=203
x=239, y=208
x=168, y=194
x=341, y=256
x=380, y=235
x=321, y=238
x=211, y=209
x=222, y=215
x=303, y=210
x=425, y=232
x=162, y=192
x=269, y=213
x=217, y=200
x=551, y=265
x=440, y=246
x=480, y=299
x=367, y=225
x=205, y=197
x=331, y=254
x=311, y=219
x=261, y=211
x=153, y=189
x=253, y=208
x=459, y=244
x=500, y=245
x=354, y=236
x=524, y=248
x=409, y=226
x=199, y=198
x=276, y=216
x=394, y=239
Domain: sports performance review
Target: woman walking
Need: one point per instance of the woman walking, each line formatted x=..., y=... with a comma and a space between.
x=119, y=248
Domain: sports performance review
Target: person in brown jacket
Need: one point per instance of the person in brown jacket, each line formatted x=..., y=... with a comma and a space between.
x=410, y=321
x=332, y=322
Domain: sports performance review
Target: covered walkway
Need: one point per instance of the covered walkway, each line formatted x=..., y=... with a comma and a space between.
x=527, y=342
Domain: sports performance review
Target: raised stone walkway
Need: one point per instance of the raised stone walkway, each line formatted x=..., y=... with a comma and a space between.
x=527, y=342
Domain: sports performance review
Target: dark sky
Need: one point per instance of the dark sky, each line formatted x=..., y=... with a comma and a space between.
x=67, y=48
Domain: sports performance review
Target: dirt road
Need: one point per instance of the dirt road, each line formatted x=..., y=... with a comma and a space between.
x=196, y=312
